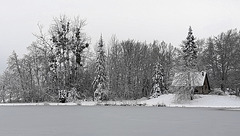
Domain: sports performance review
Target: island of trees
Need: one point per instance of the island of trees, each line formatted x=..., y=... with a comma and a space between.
x=62, y=59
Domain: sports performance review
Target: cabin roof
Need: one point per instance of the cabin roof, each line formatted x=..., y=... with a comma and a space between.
x=196, y=78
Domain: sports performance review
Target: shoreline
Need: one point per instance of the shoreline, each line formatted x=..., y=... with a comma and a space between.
x=232, y=108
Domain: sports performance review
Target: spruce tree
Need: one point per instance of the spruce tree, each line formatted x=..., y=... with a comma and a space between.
x=190, y=60
x=190, y=51
x=100, y=81
x=158, y=81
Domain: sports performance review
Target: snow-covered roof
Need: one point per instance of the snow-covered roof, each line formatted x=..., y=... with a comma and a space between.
x=196, y=78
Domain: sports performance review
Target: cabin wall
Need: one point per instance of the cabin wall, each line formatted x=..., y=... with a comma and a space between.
x=198, y=90
x=205, y=87
x=202, y=89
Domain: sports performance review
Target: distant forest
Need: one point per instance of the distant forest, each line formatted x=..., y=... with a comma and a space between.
x=62, y=58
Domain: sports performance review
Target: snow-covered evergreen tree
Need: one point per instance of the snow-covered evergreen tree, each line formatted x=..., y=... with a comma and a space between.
x=190, y=51
x=190, y=64
x=158, y=81
x=100, y=81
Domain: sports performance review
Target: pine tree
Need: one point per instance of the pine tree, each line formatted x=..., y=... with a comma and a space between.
x=190, y=51
x=158, y=81
x=190, y=59
x=100, y=81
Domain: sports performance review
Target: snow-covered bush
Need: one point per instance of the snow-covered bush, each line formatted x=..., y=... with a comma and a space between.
x=100, y=93
x=217, y=92
x=46, y=104
x=161, y=105
x=141, y=104
x=79, y=103
x=233, y=93
x=184, y=93
x=125, y=104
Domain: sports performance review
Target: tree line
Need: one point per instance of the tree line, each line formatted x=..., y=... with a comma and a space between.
x=61, y=59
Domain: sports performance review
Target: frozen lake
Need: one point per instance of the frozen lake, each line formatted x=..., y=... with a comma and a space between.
x=117, y=121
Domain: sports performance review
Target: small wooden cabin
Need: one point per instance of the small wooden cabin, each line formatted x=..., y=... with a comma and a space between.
x=199, y=80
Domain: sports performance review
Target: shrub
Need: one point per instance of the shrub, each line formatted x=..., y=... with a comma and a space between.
x=161, y=105
x=217, y=92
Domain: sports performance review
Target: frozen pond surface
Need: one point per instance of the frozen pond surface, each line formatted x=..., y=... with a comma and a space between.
x=117, y=121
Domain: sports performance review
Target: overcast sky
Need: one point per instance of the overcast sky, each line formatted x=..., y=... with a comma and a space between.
x=142, y=20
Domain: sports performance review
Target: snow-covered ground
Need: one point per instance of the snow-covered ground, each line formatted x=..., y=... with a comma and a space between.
x=226, y=101
x=87, y=103
x=214, y=101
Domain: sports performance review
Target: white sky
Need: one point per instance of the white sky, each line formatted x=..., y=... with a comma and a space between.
x=142, y=20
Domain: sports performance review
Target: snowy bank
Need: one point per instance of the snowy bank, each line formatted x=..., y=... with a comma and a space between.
x=168, y=100
x=37, y=104
x=214, y=101
x=81, y=103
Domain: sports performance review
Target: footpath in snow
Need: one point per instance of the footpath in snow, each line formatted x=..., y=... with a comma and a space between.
x=168, y=100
